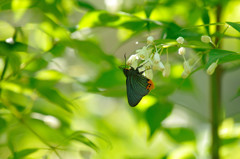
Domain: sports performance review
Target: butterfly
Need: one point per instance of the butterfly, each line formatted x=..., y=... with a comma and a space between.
x=137, y=85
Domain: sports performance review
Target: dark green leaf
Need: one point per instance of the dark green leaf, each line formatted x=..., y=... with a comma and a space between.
x=181, y=134
x=3, y=124
x=156, y=114
x=235, y=25
x=108, y=18
x=227, y=141
x=222, y=55
x=85, y=5
x=206, y=19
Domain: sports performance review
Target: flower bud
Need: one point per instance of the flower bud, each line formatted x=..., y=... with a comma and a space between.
x=181, y=51
x=212, y=68
x=9, y=40
x=187, y=67
x=158, y=66
x=156, y=58
x=167, y=70
x=150, y=39
x=205, y=39
x=180, y=40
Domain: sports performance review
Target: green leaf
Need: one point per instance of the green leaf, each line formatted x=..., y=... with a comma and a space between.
x=15, y=62
x=55, y=97
x=197, y=45
x=3, y=124
x=92, y=52
x=85, y=5
x=79, y=136
x=149, y=6
x=227, y=141
x=206, y=19
x=237, y=94
x=181, y=134
x=23, y=153
x=234, y=25
x=156, y=114
x=222, y=55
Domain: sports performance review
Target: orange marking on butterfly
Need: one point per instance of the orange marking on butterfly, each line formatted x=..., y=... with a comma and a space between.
x=150, y=85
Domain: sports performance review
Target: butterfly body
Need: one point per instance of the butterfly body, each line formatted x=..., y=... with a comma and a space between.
x=137, y=85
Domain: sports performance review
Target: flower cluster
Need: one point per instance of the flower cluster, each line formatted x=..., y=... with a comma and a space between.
x=150, y=58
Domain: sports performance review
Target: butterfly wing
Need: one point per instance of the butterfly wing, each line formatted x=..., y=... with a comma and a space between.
x=136, y=88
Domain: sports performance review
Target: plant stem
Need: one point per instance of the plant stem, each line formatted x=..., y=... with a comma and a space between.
x=216, y=109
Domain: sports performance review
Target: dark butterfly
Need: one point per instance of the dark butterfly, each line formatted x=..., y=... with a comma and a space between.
x=137, y=85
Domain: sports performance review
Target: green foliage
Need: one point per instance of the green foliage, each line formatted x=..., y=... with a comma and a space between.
x=222, y=55
x=62, y=94
x=234, y=25
x=156, y=114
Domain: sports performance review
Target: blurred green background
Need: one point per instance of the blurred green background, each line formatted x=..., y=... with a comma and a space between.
x=63, y=95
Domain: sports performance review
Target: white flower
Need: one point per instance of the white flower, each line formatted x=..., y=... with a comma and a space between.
x=187, y=67
x=185, y=74
x=148, y=74
x=131, y=59
x=206, y=39
x=181, y=51
x=143, y=53
x=146, y=65
x=150, y=39
x=180, y=40
x=167, y=70
x=158, y=66
x=212, y=68
x=156, y=58
x=134, y=64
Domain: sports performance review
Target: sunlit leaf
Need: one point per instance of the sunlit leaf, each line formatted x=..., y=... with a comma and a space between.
x=23, y=153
